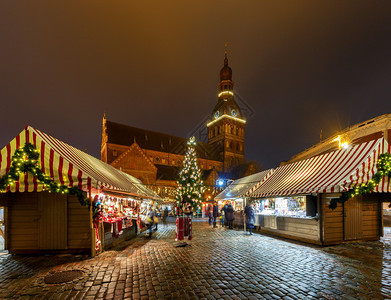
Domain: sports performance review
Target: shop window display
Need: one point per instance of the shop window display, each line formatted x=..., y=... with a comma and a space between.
x=282, y=206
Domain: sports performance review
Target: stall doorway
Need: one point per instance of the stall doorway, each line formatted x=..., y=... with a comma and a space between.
x=353, y=219
x=53, y=222
x=2, y=229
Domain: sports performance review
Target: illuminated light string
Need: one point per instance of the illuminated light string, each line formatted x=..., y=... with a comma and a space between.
x=225, y=92
x=226, y=116
x=383, y=169
x=25, y=160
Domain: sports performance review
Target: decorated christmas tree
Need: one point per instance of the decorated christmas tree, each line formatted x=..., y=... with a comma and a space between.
x=190, y=185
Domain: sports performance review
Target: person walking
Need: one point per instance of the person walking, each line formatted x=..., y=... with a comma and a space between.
x=149, y=220
x=215, y=214
x=164, y=216
x=156, y=217
x=229, y=216
x=250, y=218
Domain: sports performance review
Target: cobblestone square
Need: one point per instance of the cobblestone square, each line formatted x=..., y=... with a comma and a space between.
x=217, y=264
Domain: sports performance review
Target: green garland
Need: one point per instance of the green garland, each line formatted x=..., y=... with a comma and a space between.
x=25, y=160
x=384, y=169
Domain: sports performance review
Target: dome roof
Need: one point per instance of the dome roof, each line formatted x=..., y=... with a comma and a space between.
x=226, y=71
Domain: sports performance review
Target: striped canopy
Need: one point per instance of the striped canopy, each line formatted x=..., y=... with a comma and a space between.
x=244, y=186
x=331, y=172
x=68, y=166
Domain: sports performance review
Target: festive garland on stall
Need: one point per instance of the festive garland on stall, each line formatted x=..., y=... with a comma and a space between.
x=25, y=160
x=384, y=169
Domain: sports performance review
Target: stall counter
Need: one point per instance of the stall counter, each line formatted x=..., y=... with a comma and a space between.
x=303, y=229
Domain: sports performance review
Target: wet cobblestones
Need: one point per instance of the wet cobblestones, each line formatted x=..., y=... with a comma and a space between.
x=217, y=264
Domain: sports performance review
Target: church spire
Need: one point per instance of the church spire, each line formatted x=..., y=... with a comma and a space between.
x=225, y=55
x=226, y=71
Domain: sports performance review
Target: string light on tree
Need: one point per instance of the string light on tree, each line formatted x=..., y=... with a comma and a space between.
x=190, y=184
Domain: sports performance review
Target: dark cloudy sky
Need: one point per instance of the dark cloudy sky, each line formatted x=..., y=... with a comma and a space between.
x=300, y=66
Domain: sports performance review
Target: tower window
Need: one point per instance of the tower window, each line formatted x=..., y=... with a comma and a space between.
x=237, y=147
x=237, y=131
x=115, y=153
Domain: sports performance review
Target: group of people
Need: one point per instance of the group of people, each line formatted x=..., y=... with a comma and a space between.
x=227, y=216
x=152, y=218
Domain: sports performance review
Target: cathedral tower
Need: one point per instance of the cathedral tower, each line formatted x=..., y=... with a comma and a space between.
x=226, y=126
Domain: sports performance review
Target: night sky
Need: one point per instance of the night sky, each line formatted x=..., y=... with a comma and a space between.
x=298, y=66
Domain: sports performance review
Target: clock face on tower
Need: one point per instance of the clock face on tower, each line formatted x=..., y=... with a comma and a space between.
x=216, y=114
x=234, y=113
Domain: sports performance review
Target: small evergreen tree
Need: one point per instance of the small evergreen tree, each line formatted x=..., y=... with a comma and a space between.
x=190, y=185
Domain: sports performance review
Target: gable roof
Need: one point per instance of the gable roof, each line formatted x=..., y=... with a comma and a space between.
x=243, y=186
x=126, y=135
x=137, y=148
x=69, y=166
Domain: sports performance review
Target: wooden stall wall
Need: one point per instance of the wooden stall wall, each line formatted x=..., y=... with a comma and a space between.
x=45, y=222
x=22, y=222
x=79, y=232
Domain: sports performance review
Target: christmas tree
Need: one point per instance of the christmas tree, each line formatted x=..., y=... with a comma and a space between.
x=190, y=185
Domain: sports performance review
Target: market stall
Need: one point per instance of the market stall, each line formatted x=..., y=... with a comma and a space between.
x=59, y=199
x=236, y=192
x=295, y=199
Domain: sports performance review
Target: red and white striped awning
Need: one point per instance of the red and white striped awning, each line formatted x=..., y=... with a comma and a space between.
x=244, y=186
x=331, y=172
x=68, y=166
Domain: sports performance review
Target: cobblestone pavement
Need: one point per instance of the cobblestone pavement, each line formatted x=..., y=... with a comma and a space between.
x=217, y=264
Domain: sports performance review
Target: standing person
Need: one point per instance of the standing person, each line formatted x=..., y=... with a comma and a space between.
x=250, y=218
x=149, y=220
x=223, y=213
x=222, y=217
x=215, y=214
x=210, y=213
x=229, y=216
x=164, y=216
